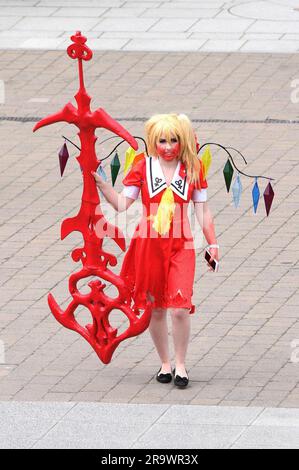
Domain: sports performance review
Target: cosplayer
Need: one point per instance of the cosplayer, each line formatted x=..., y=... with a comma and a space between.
x=160, y=260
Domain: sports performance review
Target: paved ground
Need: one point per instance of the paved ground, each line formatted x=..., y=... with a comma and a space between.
x=244, y=351
x=127, y=426
x=244, y=333
x=169, y=25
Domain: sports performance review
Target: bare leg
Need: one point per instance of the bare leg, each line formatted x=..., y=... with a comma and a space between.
x=181, y=323
x=159, y=333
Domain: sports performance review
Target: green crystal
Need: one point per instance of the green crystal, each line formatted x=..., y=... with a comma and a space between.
x=115, y=166
x=228, y=172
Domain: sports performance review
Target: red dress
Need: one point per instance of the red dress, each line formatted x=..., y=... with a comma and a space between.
x=163, y=265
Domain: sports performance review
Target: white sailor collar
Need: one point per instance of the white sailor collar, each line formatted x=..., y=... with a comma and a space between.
x=156, y=180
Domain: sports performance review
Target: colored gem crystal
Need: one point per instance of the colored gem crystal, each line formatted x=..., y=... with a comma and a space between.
x=255, y=195
x=115, y=166
x=228, y=172
x=206, y=161
x=237, y=190
x=129, y=158
x=268, y=197
x=63, y=158
x=101, y=172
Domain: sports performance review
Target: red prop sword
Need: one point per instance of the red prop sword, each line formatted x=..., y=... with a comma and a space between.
x=100, y=334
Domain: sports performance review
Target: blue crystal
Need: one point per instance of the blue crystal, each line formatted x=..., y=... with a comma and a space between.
x=255, y=195
x=237, y=190
x=101, y=172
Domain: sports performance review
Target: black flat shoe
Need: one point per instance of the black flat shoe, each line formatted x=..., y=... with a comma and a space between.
x=179, y=381
x=164, y=378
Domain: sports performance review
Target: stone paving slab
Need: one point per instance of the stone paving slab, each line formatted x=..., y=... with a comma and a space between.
x=245, y=335
x=257, y=26
x=108, y=426
x=266, y=437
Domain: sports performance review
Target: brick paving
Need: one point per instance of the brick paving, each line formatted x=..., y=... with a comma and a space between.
x=246, y=316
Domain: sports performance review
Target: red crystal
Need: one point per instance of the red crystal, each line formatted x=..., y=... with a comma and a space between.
x=268, y=197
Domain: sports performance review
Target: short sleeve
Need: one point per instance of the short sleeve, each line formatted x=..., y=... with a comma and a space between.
x=133, y=181
x=131, y=191
x=200, y=193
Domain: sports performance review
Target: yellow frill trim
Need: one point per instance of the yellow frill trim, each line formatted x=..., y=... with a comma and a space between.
x=164, y=216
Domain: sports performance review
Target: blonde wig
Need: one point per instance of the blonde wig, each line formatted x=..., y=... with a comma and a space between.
x=180, y=126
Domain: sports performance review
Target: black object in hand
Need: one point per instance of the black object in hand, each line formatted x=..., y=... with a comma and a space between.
x=214, y=263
